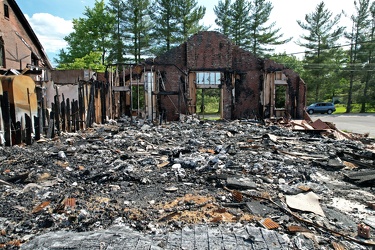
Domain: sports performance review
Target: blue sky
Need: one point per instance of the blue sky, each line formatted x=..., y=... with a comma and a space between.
x=67, y=9
x=51, y=20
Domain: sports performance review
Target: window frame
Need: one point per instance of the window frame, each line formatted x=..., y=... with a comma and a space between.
x=2, y=55
x=6, y=11
x=211, y=79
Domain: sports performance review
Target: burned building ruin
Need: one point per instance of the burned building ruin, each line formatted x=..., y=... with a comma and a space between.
x=249, y=87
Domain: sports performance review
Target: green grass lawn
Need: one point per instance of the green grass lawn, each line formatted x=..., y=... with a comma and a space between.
x=341, y=108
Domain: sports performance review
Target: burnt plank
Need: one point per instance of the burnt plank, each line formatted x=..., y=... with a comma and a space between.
x=271, y=239
x=242, y=238
x=5, y=107
x=229, y=239
x=28, y=129
x=57, y=114
x=215, y=238
x=68, y=115
x=51, y=126
x=362, y=177
x=37, y=128
x=43, y=115
x=143, y=244
x=81, y=103
x=130, y=243
x=63, y=113
x=200, y=237
x=174, y=240
x=103, y=102
x=18, y=133
x=256, y=238
x=186, y=238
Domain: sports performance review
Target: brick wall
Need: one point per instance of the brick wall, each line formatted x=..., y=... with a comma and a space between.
x=212, y=51
x=16, y=36
x=209, y=50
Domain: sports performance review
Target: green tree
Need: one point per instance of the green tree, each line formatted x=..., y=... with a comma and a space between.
x=91, y=33
x=320, y=43
x=166, y=24
x=189, y=14
x=90, y=61
x=367, y=57
x=117, y=52
x=77, y=47
x=240, y=22
x=137, y=28
x=357, y=37
x=262, y=35
x=289, y=61
x=244, y=21
x=335, y=76
x=223, y=17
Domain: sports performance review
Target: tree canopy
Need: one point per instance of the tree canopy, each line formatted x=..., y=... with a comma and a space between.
x=127, y=31
x=245, y=22
x=91, y=34
x=320, y=42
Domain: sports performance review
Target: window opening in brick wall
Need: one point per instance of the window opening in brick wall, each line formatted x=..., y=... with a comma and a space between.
x=6, y=11
x=280, y=96
x=208, y=78
x=34, y=60
x=2, y=53
x=208, y=94
x=138, y=96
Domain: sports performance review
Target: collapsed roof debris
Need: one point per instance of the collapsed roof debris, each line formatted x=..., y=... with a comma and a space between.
x=186, y=185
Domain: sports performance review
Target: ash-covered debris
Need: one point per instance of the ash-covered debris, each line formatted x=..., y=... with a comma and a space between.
x=158, y=179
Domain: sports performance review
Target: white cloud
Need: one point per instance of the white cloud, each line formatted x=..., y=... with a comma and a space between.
x=50, y=30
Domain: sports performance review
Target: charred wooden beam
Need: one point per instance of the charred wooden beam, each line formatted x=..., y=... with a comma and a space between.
x=37, y=128
x=63, y=113
x=103, y=102
x=51, y=126
x=68, y=115
x=44, y=118
x=28, y=129
x=18, y=133
x=5, y=107
x=91, y=107
x=81, y=104
x=57, y=114
x=76, y=115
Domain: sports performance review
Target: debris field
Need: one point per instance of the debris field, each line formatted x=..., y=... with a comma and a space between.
x=240, y=177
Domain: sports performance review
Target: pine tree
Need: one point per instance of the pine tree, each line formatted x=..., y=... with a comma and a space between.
x=117, y=52
x=223, y=17
x=244, y=21
x=137, y=28
x=369, y=59
x=240, y=22
x=320, y=43
x=189, y=16
x=357, y=37
x=165, y=19
x=262, y=35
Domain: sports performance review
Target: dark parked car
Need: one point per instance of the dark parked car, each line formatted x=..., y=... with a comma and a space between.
x=321, y=107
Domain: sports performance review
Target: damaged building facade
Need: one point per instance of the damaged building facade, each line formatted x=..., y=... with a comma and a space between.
x=24, y=69
x=35, y=98
x=249, y=87
x=20, y=48
x=163, y=88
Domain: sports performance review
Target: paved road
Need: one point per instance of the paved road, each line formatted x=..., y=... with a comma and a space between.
x=356, y=123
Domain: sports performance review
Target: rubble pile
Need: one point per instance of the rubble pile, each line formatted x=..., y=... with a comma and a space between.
x=312, y=190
